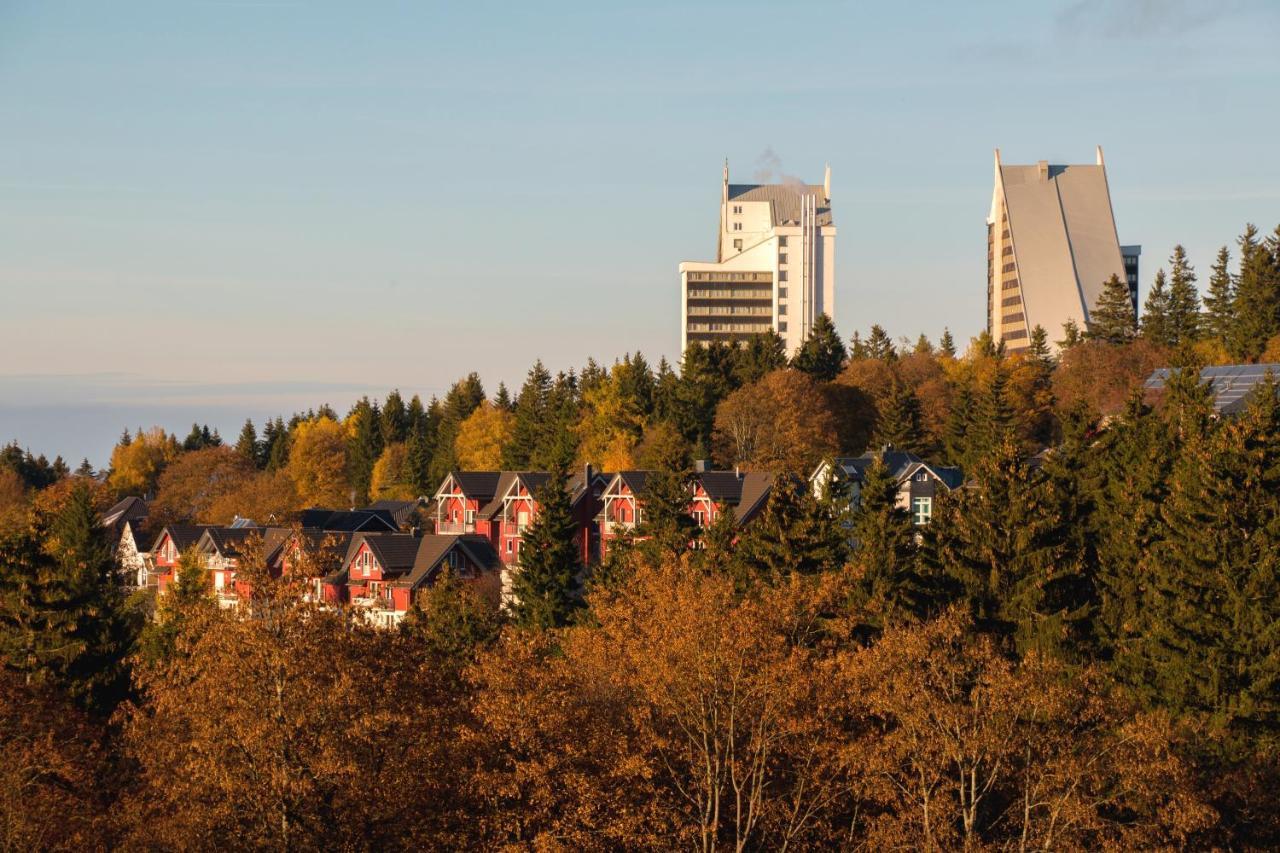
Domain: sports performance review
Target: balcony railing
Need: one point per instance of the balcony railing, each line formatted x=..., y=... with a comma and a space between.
x=614, y=528
x=454, y=527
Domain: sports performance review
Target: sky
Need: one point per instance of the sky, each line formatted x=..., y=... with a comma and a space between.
x=219, y=209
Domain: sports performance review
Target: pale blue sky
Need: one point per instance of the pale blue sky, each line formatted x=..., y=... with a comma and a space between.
x=217, y=209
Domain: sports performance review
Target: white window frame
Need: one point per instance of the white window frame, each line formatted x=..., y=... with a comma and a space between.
x=921, y=510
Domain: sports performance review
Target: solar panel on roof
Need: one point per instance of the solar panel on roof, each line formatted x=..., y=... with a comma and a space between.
x=1230, y=384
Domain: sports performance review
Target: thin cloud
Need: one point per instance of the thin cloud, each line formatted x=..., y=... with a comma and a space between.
x=1145, y=18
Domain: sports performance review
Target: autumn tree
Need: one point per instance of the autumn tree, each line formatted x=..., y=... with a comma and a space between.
x=481, y=437
x=391, y=479
x=136, y=466
x=613, y=421
x=194, y=482
x=780, y=423
x=318, y=463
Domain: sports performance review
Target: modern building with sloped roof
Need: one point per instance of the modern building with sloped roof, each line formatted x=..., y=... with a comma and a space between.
x=774, y=267
x=1051, y=246
x=919, y=482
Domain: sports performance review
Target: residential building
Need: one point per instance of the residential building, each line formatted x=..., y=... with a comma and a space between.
x=774, y=266
x=385, y=571
x=621, y=507
x=745, y=493
x=221, y=549
x=919, y=482
x=460, y=498
x=124, y=521
x=371, y=519
x=168, y=548
x=1051, y=247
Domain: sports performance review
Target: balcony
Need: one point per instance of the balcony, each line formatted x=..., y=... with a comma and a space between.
x=454, y=527
x=618, y=528
x=372, y=602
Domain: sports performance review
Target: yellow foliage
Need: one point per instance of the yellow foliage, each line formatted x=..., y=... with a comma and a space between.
x=318, y=463
x=482, y=436
x=1271, y=354
x=611, y=426
x=390, y=480
x=136, y=467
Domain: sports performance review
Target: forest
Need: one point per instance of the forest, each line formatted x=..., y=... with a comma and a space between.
x=1080, y=651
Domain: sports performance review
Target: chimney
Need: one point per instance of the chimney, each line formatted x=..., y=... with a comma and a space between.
x=1043, y=166
x=586, y=475
x=701, y=466
x=737, y=472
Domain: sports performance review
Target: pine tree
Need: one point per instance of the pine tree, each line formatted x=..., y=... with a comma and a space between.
x=1112, y=319
x=545, y=587
x=62, y=614
x=994, y=422
x=1156, y=325
x=947, y=346
x=899, y=423
x=717, y=554
x=798, y=533
x=453, y=623
x=1219, y=303
x=889, y=587
x=706, y=378
x=1257, y=302
x=957, y=441
x=532, y=420
x=923, y=345
x=277, y=448
x=1039, y=347
x=365, y=445
x=177, y=608
x=502, y=399
x=880, y=345
x=1184, y=300
x=822, y=355
x=666, y=528
x=858, y=348
x=464, y=397
x=247, y=444
x=394, y=423
x=85, y=469
x=757, y=356
x=1070, y=335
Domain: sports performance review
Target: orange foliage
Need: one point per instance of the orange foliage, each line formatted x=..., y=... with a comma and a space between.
x=780, y=423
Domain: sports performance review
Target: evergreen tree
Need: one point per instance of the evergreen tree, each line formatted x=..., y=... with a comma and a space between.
x=1156, y=325
x=545, y=587
x=889, y=587
x=276, y=444
x=923, y=346
x=532, y=419
x=365, y=445
x=1112, y=319
x=880, y=345
x=1209, y=641
x=247, y=444
x=717, y=554
x=1184, y=301
x=1070, y=335
x=899, y=423
x=1257, y=302
x=994, y=422
x=822, y=355
x=464, y=397
x=757, y=356
x=1039, y=348
x=453, y=623
x=502, y=399
x=1219, y=303
x=798, y=533
x=177, y=608
x=858, y=348
x=666, y=527
x=394, y=424
x=706, y=378
x=957, y=441
x=62, y=614
x=947, y=346
x=85, y=469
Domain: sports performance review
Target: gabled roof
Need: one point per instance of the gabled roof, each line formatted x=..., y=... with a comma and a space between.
x=476, y=485
x=745, y=491
x=183, y=536
x=433, y=550
x=398, y=511
x=506, y=479
x=352, y=521
x=129, y=509
x=634, y=480
x=577, y=485
x=229, y=541
x=899, y=462
x=395, y=552
x=332, y=544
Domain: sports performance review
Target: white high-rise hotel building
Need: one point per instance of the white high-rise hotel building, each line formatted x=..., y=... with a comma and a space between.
x=774, y=269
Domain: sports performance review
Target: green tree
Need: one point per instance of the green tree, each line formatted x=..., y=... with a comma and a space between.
x=176, y=609
x=899, y=423
x=1156, y=325
x=1112, y=319
x=1219, y=303
x=1071, y=335
x=758, y=356
x=364, y=425
x=394, y=421
x=545, y=588
x=957, y=441
x=947, y=346
x=248, y=447
x=453, y=623
x=1257, y=302
x=880, y=345
x=532, y=420
x=463, y=398
x=1184, y=300
x=822, y=354
x=799, y=532
x=666, y=528
x=890, y=587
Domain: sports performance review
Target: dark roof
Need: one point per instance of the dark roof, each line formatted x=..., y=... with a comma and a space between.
x=183, y=535
x=478, y=485
x=398, y=511
x=330, y=543
x=129, y=509
x=634, y=480
x=900, y=463
x=745, y=491
x=395, y=552
x=228, y=541
x=352, y=520
x=433, y=550
x=494, y=506
x=1230, y=384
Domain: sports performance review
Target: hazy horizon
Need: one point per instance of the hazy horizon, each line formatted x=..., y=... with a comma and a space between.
x=225, y=209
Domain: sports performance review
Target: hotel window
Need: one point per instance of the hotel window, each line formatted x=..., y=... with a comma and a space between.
x=921, y=510
x=782, y=242
x=782, y=275
x=782, y=293
x=782, y=325
x=737, y=208
x=782, y=309
x=737, y=226
x=737, y=244
x=782, y=257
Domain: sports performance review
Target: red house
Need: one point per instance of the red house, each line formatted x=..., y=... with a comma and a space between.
x=515, y=507
x=168, y=548
x=386, y=570
x=325, y=551
x=622, y=507
x=222, y=548
x=461, y=497
x=715, y=492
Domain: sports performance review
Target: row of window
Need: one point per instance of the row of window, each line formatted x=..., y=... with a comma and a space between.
x=729, y=276
x=728, y=327
x=758, y=310
x=1008, y=268
x=724, y=293
x=1011, y=300
x=1011, y=284
x=1012, y=318
x=1015, y=334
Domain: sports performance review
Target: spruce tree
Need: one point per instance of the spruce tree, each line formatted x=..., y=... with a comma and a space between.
x=365, y=445
x=277, y=450
x=1219, y=303
x=1257, y=302
x=532, y=419
x=957, y=441
x=1156, y=325
x=822, y=355
x=1184, y=300
x=759, y=355
x=85, y=469
x=666, y=529
x=880, y=345
x=947, y=346
x=799, y=532
x=994, y=422
x=545, y=586
x=247, y=444
x=923, y=345
x=1112, y=319
x=889, y=588
x=899, y=421
x=1071, y=335
x=857, y=348
x=394, y=422
x=453, y=623
x=502, y=399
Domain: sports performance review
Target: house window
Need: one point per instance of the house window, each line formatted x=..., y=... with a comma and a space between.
x=522, y=520
x=921, y=510
x=471, y=516
x=511, y=546
x=700, y=517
